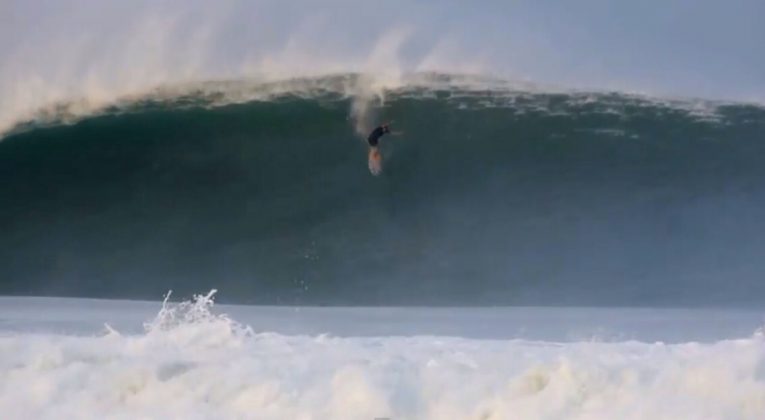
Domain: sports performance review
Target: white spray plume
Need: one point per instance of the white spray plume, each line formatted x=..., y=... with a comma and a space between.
x=88, y=55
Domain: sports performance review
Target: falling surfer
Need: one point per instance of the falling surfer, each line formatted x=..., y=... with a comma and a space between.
x=375, y=158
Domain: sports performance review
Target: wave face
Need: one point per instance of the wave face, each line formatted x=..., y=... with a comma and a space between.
x=490, y=196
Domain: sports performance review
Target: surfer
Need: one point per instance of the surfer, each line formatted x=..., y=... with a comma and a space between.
x=375, y=159
x=374, y=136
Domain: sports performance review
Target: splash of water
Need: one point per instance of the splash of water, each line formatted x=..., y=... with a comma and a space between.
x=193, y=321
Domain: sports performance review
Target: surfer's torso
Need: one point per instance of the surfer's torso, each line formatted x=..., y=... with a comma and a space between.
x=374, y=136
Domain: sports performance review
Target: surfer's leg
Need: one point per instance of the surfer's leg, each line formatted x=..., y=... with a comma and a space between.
x=374, y=152
x=375, y=160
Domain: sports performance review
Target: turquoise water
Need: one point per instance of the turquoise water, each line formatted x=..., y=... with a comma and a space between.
x=489, y=196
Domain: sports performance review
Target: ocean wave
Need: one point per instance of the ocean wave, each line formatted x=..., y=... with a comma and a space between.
x=489, y=196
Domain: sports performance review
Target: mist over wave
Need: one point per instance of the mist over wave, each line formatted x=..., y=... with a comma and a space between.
x=93, y=55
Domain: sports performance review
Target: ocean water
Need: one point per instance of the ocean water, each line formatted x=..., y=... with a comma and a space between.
x=494, y=194
x=84, y=358
x=524, y=254
x=567, y=226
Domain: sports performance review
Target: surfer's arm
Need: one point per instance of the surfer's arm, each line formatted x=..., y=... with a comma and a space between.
x=392, y=133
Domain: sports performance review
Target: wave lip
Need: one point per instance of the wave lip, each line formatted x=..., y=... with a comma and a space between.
x=480, y=90
x=213, y=93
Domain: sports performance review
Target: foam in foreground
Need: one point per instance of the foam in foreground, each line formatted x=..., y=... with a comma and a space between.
x=191, y=363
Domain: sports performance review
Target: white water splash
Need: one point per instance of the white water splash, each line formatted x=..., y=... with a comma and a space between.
x=193, y=322
x=193, y=363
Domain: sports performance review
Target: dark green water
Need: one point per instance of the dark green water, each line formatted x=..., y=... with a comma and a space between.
x=609, y=201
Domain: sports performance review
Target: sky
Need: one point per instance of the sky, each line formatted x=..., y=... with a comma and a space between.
x=94, y=51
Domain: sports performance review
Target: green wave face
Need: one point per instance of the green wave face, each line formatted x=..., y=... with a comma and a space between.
x=486, y=198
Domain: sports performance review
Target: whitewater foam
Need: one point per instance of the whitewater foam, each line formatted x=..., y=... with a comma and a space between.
x=193, y=363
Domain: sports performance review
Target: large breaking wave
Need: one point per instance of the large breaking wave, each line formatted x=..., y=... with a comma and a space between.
x=495, y=194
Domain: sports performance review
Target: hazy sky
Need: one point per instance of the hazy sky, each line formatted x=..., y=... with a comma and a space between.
x=52, y=50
